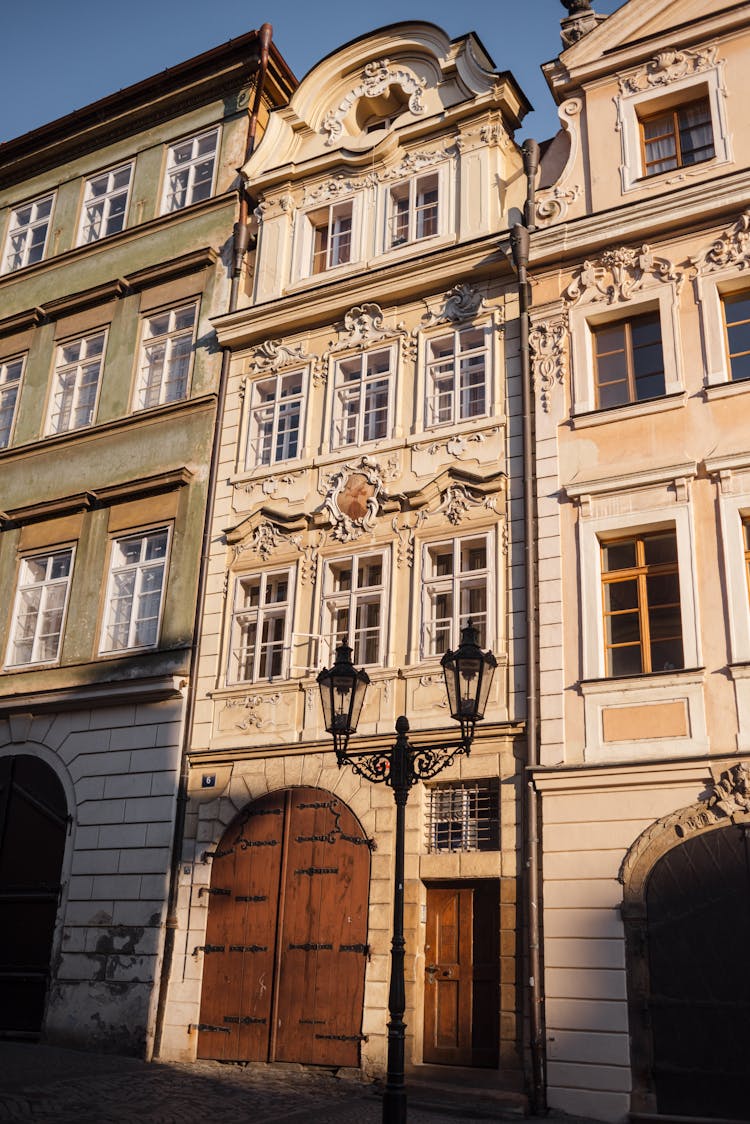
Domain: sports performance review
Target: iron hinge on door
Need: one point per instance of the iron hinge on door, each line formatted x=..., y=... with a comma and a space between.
x=208, y=948
x=206, y=1027
x=213, y=890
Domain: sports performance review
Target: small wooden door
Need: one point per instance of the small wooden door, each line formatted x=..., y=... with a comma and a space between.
x=461, y=1013
x=286, y=937
x=33, y=829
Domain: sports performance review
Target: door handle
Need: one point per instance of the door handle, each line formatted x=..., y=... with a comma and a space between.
x=431, y=970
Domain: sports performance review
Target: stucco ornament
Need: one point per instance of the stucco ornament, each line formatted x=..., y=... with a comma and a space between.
x=266, y=538
x=377, y=78
x=415, y=162
x=462, y=302
x=248, y=706
x=552, y=205
x=731, y=793
x=668, y=66
x=458, y=501
x=352, y=498
x=731, y=249
x=404, y=528
x=619, y=273
x=275, y=354
x=548, y=358
x=338, y=187
x=365, y=324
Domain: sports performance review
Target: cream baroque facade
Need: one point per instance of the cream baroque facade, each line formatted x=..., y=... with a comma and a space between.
x=643, y=464
x=369, y=490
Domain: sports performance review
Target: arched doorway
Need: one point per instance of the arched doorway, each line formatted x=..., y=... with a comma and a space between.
x=286, y=939
x=33, y=827
x=698, y=1008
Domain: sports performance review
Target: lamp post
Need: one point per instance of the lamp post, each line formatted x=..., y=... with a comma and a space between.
x=468, y=677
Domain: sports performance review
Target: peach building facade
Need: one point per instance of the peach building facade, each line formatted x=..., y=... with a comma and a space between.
x=639, y=354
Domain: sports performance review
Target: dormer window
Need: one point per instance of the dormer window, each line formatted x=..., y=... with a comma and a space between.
x=332, y=236
x=677, y=137
x=413, y=210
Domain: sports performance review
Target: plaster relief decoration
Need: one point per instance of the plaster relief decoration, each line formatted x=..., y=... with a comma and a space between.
x=269, y=486
x=462, y=302
x=246, y=711
x=337, y=187
x=620, y=273
x=552, y=205
x=668, y=66
x=266, y=538
x=352, y=498
x=269, y=207
x=275, y=355
x=459, y=446
x=459, y=500
x=309, y=548
x=730, y=250
x=416, y=161
x=404, y=529
x=731, y=793
x=364, y=325
x=548, y=357
x=430, y=682
x=377, y=78
x=581, y=19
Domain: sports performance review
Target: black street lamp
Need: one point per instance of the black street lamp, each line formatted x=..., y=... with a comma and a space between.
x=468, y=677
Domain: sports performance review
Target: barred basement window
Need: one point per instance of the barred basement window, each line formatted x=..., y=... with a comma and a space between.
x=463, y=817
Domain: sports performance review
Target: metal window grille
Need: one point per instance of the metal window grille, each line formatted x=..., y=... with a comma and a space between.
x=463, y=817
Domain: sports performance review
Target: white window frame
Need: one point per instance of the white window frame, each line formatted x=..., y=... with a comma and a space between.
x=45, y=587
x=586, y=318
x=335, y=600
x=733, y=491
x=638, y=504
x=171, y=168
x=10, y=393
x=710, y=292
x=273, y=410
x=350, y=408
x=455, y=584
x=138, y=568
x=456, y=415
x=168, y=340
x=25, y=232
x=260, y=616
x=306, y=223
x=632, y=107
x=110, y=195
x=408, y=189
x=78, y=368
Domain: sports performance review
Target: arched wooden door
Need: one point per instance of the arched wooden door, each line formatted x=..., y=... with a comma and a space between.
x=698, y=1009
x=33, y=827
x=286, y=940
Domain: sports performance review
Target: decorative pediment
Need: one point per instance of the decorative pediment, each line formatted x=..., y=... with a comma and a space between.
x=337, y=187
x=378, y=77
x=618, y=274
x=730, y=250
x=666, y=67
x=364, y=325
x=462, y=302
x=275, y=355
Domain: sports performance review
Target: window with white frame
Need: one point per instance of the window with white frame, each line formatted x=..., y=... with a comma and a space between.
x=189, y=175
x=39, y=610
x=27, y=234
x=261, y=619
x=11, y=371
x=413, y=210
x=677, y=136
x=362, y=398
x=275, y=419
x=76, y=383
x=166, y=351
x=135, y=591
x=354, y=606
x=458, y=372
x=105, y=204
x=455, y=589
x=736, y=308
x=641, y=604
x=331, y=236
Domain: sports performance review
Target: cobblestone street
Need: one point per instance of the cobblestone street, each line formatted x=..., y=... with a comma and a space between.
x=56, y=1086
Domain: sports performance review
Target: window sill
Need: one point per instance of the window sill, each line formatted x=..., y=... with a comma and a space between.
x=627, y=683
x=726, y=389
x=631, y=410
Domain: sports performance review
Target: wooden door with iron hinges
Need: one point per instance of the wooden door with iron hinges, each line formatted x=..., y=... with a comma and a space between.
x=461, y=993
x=286, y=940
x=33, y=828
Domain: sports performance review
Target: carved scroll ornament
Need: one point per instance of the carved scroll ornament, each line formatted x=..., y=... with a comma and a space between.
x=548, y=358
x=377, y=78
x=668, y=66
x=619, y=273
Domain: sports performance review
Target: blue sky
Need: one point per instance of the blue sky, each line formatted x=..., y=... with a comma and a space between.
x=59, y=55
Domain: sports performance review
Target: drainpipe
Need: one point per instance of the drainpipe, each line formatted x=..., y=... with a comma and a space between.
x=519, y=240
x=240, y=247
